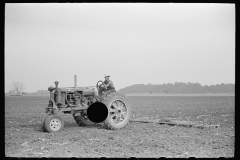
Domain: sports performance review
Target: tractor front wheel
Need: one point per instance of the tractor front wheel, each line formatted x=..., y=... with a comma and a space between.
x=43, y=123
x=54, y=123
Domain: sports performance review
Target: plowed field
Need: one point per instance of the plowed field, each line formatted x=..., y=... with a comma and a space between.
x=23, y=137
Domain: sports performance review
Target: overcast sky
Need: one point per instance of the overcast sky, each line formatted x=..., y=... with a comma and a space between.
x=137, y=43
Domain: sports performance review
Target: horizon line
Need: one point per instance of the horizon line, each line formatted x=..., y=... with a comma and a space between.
x=147, y=84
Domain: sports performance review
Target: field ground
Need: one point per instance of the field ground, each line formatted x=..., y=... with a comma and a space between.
x=23, y=137
x=188, y=95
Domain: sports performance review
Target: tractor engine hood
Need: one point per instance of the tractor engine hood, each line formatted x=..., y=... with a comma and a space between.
x=73, y=89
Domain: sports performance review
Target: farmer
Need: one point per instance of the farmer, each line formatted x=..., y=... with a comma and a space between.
x=108, y=86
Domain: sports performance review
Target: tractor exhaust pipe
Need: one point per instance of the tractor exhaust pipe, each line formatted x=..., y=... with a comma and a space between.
x=75, y=81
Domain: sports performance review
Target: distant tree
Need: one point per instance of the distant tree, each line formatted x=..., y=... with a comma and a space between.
x=166, y=91
x=178, y=88
x=11, y=91
x=17, y=87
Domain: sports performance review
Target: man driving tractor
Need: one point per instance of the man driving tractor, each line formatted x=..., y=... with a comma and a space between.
x=107, y=86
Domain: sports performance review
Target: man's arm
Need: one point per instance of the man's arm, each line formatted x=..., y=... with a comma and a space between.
x=105, y=85
x=108, y=84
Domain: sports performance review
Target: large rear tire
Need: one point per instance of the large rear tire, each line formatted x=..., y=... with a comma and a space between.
x=119, y=111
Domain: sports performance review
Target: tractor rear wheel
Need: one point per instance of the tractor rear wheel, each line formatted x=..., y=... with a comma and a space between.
x=119, y=111
x=82, y=119
x=54, y=123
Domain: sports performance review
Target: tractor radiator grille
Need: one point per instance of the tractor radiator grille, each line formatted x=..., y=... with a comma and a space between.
x=62, y=97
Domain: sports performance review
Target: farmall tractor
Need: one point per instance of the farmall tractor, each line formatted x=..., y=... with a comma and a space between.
x=88, y=106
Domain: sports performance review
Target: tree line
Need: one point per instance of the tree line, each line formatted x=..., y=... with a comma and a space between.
x=179, y=88
x=169, y=88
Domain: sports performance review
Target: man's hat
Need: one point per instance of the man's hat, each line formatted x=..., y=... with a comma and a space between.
x=106, y=75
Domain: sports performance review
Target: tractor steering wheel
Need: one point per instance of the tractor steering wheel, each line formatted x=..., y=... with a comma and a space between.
x=101, y=86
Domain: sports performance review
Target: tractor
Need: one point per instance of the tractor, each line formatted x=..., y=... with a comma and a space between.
x=88, y=106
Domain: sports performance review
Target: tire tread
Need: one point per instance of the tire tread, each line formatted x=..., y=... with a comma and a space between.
x=109, y=98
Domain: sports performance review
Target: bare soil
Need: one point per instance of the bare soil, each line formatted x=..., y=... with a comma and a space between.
x=23, y=137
